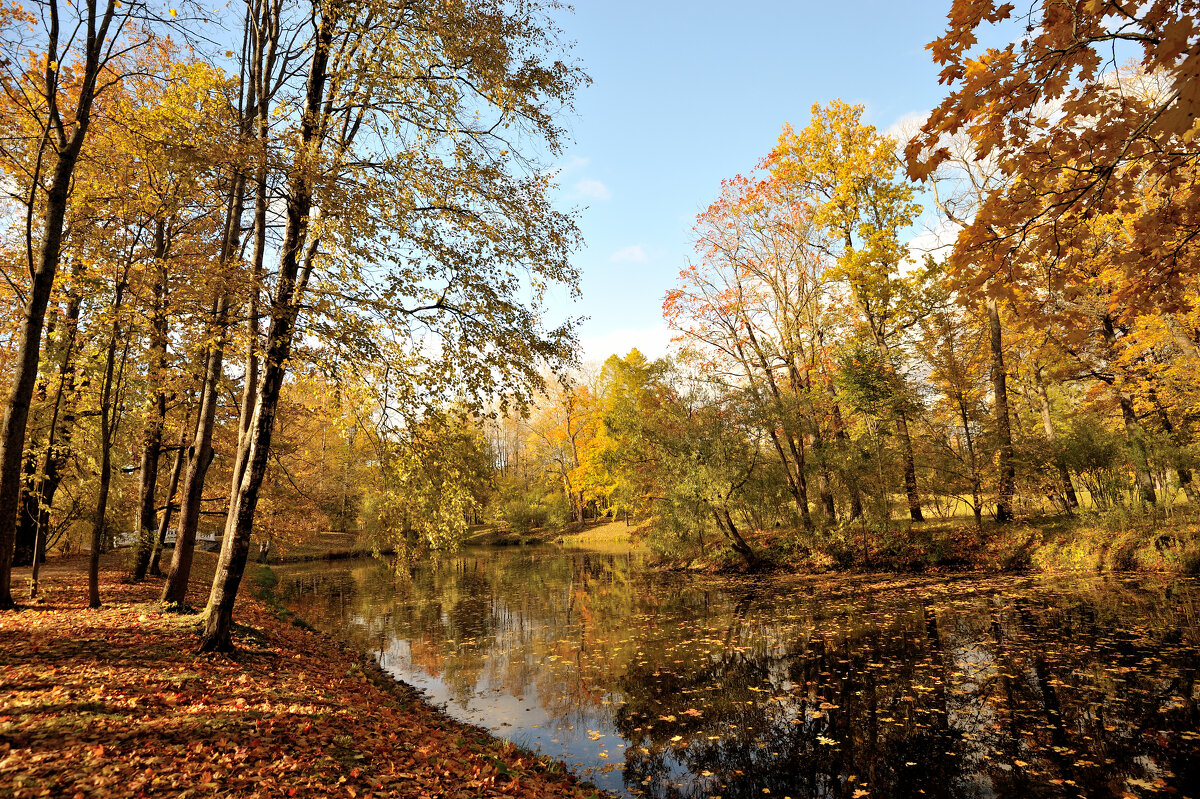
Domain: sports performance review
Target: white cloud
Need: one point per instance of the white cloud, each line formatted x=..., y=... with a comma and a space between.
x=936, y=241
x=592, y=189
x=652, y=342
x=933, y=241
x=634, y=254
x=907, y=126
x=574, y=164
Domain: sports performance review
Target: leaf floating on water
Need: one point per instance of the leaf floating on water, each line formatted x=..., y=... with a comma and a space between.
x=726, y=678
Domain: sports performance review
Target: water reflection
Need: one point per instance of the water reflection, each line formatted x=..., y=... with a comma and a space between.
x=666, y=686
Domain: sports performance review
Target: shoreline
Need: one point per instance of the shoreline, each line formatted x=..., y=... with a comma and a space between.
x=116, y=702
x=1082, y=543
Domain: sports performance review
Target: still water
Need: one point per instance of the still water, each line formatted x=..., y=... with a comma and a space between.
x=665, y=685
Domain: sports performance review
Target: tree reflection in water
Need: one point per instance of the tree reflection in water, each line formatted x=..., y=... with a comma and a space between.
x=668, y=686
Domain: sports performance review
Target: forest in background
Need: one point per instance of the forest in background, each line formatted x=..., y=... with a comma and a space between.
x=1016, y=387
x=294, y=286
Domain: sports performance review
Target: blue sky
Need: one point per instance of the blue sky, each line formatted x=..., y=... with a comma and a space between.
x=685, y=94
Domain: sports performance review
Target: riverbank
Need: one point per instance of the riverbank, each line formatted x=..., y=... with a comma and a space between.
x=603, y=534
x=662, y=684
x=1112, y=541
x=319, y=545
x=114, y=702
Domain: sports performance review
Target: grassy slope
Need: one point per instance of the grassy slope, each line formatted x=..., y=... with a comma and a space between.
x=1113, y=541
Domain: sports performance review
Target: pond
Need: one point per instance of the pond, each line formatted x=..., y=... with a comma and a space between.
x=669, y=685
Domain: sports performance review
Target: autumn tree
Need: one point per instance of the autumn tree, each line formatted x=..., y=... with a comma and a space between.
x=120, y=242
x=952, y=344
x=244, y=112
x=751, y=309
x=434, y=478
x=1097, y=215
x=633, y=388
x=562, y=432
x=847, y=174
x=1056, y=97
x=692, y=451
x=412, y=197
x=69, y=55
x=164, y=118
x=960, y=186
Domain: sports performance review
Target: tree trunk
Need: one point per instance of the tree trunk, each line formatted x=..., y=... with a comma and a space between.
x=345, y=511
x=793, y=468
x=910, y=463
x=729, y=530
x=26, y=533
x=44, y=268
x=27, y=516
x=1133, y=430
x=201, y=453
x=285, y=307
x=155, y=420
x=815, y=440
x=885, y=510
x=906, y=447
x=1185, y=483
x=25, y=363
x=1069, y=498
x=250, y=385
x=1181, y=470
x=796, y=485
x=910, y=470
x=1141, y=468
x=164, y=520
x=568, y=491
x=824, y=484
x=147, y=484
x=843, y=439
x=235, y=544
x=1004, y=463
x=106, y=436
x=976, y=502
x=57, y=452
x=800, y=481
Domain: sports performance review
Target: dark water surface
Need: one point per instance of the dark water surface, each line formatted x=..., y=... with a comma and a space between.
x=670, y=686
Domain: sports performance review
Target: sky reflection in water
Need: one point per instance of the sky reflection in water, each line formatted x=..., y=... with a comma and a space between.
x=663, y=685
